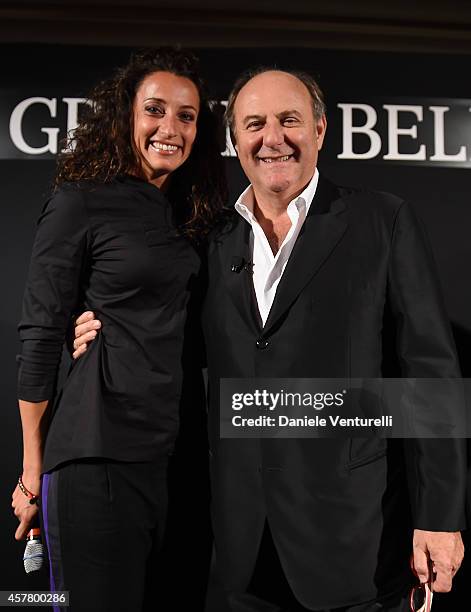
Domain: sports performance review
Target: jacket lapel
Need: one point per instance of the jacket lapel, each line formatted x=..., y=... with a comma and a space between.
x=323, y=229
x=234, y=250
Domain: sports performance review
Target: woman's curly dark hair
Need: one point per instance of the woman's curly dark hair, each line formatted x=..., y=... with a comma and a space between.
x=101, y=147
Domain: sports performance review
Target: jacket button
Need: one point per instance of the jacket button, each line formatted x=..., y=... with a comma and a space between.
x=262, y=343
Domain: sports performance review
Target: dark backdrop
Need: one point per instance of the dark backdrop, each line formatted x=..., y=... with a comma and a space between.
x=439, y=194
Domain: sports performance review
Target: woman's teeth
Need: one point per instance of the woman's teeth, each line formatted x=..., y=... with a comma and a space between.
x=163, y=147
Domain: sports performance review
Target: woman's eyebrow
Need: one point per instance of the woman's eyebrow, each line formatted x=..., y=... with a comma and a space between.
x=162, y=101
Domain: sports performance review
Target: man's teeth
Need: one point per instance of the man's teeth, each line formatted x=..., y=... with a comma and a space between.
x=269, y=160
x=164, y=147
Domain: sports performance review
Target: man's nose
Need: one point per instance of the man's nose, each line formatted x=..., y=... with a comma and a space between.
x=273, y=134
x=167, y=126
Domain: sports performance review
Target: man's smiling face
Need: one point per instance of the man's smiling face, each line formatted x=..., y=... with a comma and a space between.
x=277, y=136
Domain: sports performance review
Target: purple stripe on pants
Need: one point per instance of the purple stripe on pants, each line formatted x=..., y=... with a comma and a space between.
x=47, y=481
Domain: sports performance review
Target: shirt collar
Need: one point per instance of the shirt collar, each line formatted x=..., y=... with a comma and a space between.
x=136, y=183
x=245, y=202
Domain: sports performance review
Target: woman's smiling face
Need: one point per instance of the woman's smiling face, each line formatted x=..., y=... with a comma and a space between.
x=165, y=112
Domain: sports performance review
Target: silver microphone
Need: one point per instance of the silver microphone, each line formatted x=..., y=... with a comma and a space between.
x=33, y=557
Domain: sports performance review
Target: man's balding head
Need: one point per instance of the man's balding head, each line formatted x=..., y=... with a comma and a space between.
x=315, y=92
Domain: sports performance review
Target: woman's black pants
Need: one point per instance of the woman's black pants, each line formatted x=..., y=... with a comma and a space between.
x=103, y=523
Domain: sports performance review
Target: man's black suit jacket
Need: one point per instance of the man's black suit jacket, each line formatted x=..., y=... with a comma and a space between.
x=359, y=289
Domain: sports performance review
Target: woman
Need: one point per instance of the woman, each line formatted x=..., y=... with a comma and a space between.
x=139, y=188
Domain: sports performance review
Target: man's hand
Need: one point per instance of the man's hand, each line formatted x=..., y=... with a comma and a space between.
x=86, y=327
x=445, y=551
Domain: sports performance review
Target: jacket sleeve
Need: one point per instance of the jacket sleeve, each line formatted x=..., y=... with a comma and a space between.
x=52, y=292
x=436, y=467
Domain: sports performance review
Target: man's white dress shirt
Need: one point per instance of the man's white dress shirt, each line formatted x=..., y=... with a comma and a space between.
x=267, y=267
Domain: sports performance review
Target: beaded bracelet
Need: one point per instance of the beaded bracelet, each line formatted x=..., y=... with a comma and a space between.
x=33, y=499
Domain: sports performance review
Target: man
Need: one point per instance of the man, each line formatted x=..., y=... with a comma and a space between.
x=322, y=524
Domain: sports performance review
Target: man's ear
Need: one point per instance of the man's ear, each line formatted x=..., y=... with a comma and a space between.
x=234, y=142
x=321, y=127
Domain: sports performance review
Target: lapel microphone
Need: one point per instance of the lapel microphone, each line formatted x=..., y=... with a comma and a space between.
x=239, y=263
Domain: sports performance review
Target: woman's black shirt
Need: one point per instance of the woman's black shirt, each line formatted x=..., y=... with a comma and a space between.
x=113, y=249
